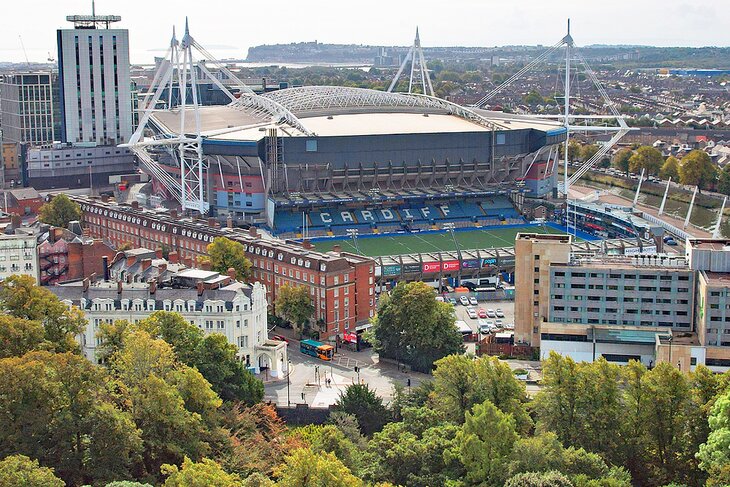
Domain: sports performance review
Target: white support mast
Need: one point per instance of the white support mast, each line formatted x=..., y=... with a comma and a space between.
x=664, y=199
x=638, y=189
x=691, y=205
x=568, y=41
x=716, y=232
x=415, y=57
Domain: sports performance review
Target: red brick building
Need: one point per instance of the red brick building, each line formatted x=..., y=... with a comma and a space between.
x=65, y=256
x=342, y=285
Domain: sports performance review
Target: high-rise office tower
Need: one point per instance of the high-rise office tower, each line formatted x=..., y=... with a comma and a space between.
x=95, y=88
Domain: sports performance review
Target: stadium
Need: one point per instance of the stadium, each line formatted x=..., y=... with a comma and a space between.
x=341, y=159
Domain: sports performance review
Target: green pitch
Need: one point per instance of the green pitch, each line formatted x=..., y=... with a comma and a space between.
x=433, y=242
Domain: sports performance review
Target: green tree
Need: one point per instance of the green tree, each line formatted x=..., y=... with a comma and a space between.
x=328, y=438
x=485, y=443
x=19, y=336
x=723, y=184
x=413, y=327
x=587, y=151
x=621, y=159
x=216, y=360
x=539, y=479
x=175, y=330
x=224, y=254
x=205, y=473
x=19, y=470
x=56, y=408
x=60, y=211
x=556, y=404
x=21, y=298
x=647, y=158
x=714, y=455
x=670, y=169
x=697, y=169
x=305, y=468
x=362, y=402
x=294, y=304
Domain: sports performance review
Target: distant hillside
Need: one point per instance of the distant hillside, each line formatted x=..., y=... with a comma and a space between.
x=619, y=56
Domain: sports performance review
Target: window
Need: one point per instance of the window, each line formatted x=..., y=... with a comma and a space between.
x=501, y=139
x=311, y=145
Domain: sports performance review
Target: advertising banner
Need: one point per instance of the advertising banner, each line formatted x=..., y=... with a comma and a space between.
x=431, y=266
x=391, y=270
x=492, y=261
x=470, y=264
x=412, y=268
x=450, y=265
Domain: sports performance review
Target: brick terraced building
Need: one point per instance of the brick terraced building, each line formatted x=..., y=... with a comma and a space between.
x=342, y=285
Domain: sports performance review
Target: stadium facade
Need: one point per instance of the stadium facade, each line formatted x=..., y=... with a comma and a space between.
x=320, y=161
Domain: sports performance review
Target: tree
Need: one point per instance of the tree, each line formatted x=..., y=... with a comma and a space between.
x=19, y=470
x=485, y=443
x=714, y=455
x=56, y=408
x=225, y=254
x=621, y=160
x=670, y=169
x=697, y=169
x=723, y=185
x=21, y=298
x=556, y=404
x=328, y=438
x=362, y=402
x=60, y=211
x=587, y=151
x=305, y=468
x=647, y=158
x=205, y=473
x=539, y=479
x=19, y=336
x=216, y=360
x=413, y=327
x=294, y=304
x=175, y=330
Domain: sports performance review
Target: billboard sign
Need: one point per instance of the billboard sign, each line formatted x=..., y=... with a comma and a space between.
x=391, y=270
x=470, y=264
x=450, y=265
x=412, y=268
x=431, y=267
x=492, y=261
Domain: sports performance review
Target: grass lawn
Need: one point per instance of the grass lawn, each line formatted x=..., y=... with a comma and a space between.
x=432, y=242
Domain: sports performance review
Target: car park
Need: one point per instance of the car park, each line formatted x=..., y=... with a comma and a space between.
x=499, y=313
x=464, y=300
x=491, y=313
x=473, y=300
x=472, y=313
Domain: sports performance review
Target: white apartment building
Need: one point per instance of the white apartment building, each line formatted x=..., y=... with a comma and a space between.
x=18, y=253
x=212, y=302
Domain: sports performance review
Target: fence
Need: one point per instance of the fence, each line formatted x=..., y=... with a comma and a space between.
x=666, y=226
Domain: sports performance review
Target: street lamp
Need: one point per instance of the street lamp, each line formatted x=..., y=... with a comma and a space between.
x=357, y=369
x=288, y=382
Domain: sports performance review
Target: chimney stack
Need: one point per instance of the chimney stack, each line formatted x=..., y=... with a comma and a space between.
x=135, y=205
x=158, y=253
x=153, y=286
x=213, y=223
x=16, y=221
x=336, y=248
x=172, y=257
x=231, y=273
x=131, y=260
x=173, y=214
x=205, y=265
x=146, y=263
x=229, y=222
x=199, y=287
x=119, y=287
x=105, y=198
x=252, y=231
x=307, y=244
x=105, y=265
x=85, y=284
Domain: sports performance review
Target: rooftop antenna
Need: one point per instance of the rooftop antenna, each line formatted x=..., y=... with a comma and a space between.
x=415, y=57
x=93, y=8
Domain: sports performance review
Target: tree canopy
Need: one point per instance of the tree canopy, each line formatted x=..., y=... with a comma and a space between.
x=224, y=253
x=697, y=169
x=411, y=326
x=362, y=402
x=647, y=158
x=621, y=159
x=19, y=470
x=670, y=169
x=60, y=211
x=294, y=304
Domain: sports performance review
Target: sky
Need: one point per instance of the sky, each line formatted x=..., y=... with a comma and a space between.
x=228, y=27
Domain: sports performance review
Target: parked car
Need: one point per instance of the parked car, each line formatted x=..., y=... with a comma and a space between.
x=440, y=299
x=499, y=323
x=491, y=313
x=499, y=313
x=453, y=301
x=509, y=326
x=473, y=300
x=486, y=326
x=482, y=313
x=279, y=338
x=472, y=313
x=464, y=300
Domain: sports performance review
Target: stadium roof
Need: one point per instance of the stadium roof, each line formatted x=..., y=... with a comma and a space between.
x=338, y=110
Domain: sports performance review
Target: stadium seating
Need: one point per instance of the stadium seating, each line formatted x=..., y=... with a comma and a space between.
x=337, y=220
